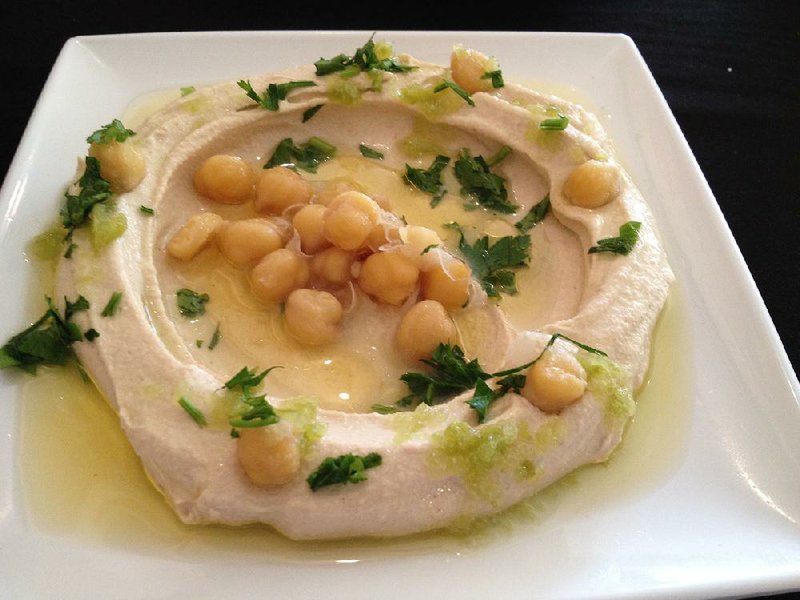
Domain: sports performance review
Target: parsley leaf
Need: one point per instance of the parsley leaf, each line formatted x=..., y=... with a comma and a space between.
x=368, y=152
x=310, y=112
x=429, y=180
x=48, y=341
x=113, y=132
x=347, y=468
x=191, y=303
x=215, y=338
x=535, y=215
x=477, y=180
x=274, y=93
x=93, y=190
x=260, y=412
x=194, y=412
x=491, y=264
x=451, y=374
x=623, y=244
x=365, y=58
x=452, y=85
x=306, y=157
x=112, y=305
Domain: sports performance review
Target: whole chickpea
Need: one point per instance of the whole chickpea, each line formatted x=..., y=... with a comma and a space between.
x=196, y=234
x=389, y=277
x=279, y=188
x=247, y=241
x=349, y=220
x=309, y=222
x=225, y=179
x=312, y=316
x=121, y=164
x=592, y=184
x=555, y=381
x=468, y=67
x=426, y=325
x=278, y=274
x=269, y=455
x=448, y=285
x=333, y=265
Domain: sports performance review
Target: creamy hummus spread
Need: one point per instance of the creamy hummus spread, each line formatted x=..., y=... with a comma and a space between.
x=579, y=309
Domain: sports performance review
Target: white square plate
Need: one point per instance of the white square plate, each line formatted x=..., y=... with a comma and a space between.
x=702, y=500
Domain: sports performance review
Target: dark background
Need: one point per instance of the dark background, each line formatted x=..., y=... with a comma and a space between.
x=729, y=70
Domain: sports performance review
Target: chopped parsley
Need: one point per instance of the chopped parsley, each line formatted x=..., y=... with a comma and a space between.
x=194, y=412
x=622, y=244
x=492, y=264
x=558, y=123
x=306, y=157
x=496, y=77
x=369, y=57
x=257, y=411
x=310, y=112
x=146, y=210
x=274, y=93
x=429, y=180
x=91, y=335
x=347, y=468
x=451, y=85
x=112, y=305
x=113, y=132
x=215, y=338
x=93, y=189
x=189, y=89
x=190, y=303
x=368, y=152
x=48, y=341
x=476, y=179
x=535, y=215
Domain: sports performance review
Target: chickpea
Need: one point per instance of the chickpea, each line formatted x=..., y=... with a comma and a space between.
x=245, y=242
x=333, y=265
x=592, y=184
x=313, y=316
x=279, y=188
x=448, y=285
x=121, y=164
x=278, y=274
x=389, y=277
x=468, y=67
x=195, y=235
x=269, y=455
x=309, y=222
x=423, y=328
x=350, y=219
x=555, y=381
x=225, y=179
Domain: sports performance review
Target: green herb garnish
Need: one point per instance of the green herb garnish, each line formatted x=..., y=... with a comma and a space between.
x=429, y=180
x=310, y=112
x=492, y=264
x=113, y=132
x=365, y=58
x=215, y=338
x=93, y=189
x=194, y=412
x=451, y=85
x=190, y=303
x=91, y=335
x=189, y=89
x=368, y=152
x=258, y=412
x=622, y=244
x=112, y=305
x=558, y=123
x=146, y=210
x=47, y=342
x=476, y=179
x=535, y=215
x=306, y=157
x=496, y=77
x=347, y=468
x=274, y=93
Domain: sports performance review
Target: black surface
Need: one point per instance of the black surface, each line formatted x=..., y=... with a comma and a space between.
x=729, y=71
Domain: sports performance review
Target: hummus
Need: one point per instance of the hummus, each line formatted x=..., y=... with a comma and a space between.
x=594, y=311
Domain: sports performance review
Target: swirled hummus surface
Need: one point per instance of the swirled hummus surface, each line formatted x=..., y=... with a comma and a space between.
x=290, y=360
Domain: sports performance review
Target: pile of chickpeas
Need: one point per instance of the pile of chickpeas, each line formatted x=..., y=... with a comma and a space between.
x=309, y=247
